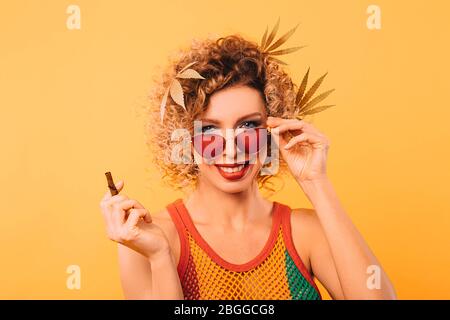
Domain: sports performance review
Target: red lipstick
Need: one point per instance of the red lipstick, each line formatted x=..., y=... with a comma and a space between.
x=233, y=171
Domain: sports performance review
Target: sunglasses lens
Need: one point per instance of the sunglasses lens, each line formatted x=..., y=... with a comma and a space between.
x=209, y=146
x=252, y=140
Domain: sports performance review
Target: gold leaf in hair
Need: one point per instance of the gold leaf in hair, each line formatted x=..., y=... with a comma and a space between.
x=312, y=90
x=301, y=90
x=283, y=39
x=271, y=35
x=176, y=93
x=176, y=90
x=189, y=74
x=278, y=61
x=187, y=66
x=267, y=47
x=264, y=38
x=285, y=51
x=316, y=100
x=163, y=104
x=305, y=103
x=317, y=110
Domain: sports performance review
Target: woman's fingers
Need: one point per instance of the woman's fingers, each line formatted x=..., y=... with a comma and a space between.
x=119, y=186
x=313, y=139
x=283, y=125
x=112, y=219
x=122, y=214
x=128, y=204
x=128, y=231
x=108, y=219
x=135, y=215
x=131, y=205
x=124, y=209
x=121, y=204
x=274, y=121
x=291, y=126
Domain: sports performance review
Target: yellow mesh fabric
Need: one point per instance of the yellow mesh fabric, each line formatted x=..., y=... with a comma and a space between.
x=206, y=280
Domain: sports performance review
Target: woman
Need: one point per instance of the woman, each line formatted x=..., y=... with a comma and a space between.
x=225, y=240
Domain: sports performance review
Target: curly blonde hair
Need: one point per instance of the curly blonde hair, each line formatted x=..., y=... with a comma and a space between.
x=224, y=62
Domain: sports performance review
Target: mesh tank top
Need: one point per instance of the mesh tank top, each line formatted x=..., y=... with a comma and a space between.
x=276, y=273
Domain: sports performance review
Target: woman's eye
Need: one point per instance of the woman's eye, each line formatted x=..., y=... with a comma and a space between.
x=250, y=124
x=207, y=128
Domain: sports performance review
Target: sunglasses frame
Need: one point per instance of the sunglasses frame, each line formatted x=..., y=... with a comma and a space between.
x=268, y=142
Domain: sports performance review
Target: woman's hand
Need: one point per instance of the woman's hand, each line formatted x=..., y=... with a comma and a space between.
x=305, y=151
x=129, y=223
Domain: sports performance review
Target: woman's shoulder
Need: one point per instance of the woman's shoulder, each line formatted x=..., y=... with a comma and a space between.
x=304, y=222
x=163, y=219
x=303, y=216
x=305, y=227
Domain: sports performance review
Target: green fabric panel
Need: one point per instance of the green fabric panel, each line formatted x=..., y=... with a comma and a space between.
x=300, y=288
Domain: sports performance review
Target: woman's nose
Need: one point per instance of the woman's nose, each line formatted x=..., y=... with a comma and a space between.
x=230, y=146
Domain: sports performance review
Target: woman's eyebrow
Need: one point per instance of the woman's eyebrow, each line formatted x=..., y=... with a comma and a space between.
x=239, y=120
x=249, y=115
x=210, y=120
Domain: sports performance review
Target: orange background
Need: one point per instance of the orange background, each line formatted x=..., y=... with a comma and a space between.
x=70, y=110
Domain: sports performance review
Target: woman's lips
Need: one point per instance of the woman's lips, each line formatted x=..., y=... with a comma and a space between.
x=233, y=171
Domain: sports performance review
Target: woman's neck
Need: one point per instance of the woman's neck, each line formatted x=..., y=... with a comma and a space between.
x=209, y=205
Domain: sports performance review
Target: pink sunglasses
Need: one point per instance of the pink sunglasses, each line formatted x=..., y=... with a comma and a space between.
x=250, y=141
